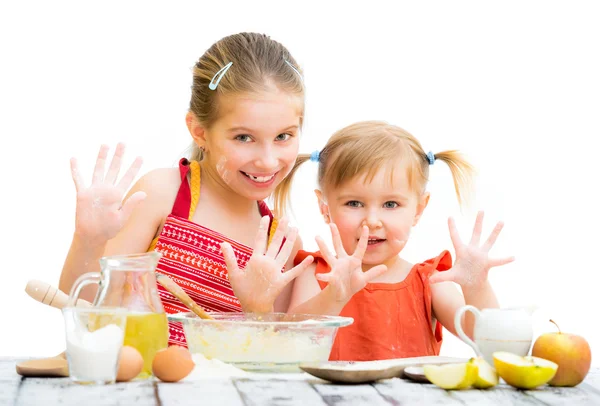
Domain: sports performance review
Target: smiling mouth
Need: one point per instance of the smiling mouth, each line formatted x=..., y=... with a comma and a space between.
x=373, y=241
x=259, y=179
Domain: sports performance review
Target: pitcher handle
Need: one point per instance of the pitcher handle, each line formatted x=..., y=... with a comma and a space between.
x=80, y=283
x=458, y=326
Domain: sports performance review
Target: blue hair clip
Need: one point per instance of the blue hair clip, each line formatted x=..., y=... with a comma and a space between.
x=218, y=76
x=314, y=156
x=430, y=158
x=295, y=70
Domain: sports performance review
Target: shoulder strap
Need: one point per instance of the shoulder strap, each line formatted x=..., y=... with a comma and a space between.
x=321, y=265
x=442, y=262
x=181, y=207
x=195, y=187
x=265, y=211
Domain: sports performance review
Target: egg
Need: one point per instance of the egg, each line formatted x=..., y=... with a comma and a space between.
x=172, y=364
x=130, y=364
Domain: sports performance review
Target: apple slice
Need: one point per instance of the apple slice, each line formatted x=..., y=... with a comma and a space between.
x=452, y=376
x=487, y=376
x=524, y=372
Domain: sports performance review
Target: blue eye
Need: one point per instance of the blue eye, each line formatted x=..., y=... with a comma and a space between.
x=243, y=138
x=283, y=137
x=354, y=203
x=390, y=205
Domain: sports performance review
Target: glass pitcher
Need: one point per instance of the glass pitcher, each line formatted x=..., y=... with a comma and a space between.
x=129, y=281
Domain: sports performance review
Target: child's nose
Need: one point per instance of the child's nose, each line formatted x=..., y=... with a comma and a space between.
x=372, y=221
x=266, y=159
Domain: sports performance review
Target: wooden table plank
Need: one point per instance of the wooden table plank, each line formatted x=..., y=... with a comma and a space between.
x=593, y=378
x=9, y=382
x=278, y=392
x=39, y=391
x=565, y=396
x=342, y=395
x=205, y=392
x=500, y=395
x=401, y=392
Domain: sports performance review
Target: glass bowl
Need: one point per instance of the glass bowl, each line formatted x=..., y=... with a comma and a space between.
x=262, y=342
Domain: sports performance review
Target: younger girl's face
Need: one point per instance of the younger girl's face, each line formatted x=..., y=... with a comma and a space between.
x=254, y=143
x=386, y=205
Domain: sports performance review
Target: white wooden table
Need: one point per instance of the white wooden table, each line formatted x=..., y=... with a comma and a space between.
x=16, y=390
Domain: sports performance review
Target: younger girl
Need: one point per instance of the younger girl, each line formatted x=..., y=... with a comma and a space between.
x=372, y=191
x=245, y=117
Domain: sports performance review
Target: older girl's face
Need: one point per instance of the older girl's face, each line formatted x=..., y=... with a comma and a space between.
x=254, y=143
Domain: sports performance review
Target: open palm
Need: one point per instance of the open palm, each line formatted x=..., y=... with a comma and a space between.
x=262, y=280
x=346, y=276
x=472, y=263
x=100, y=213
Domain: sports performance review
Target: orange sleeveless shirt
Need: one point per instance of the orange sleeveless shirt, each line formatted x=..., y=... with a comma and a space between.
x=391, y=320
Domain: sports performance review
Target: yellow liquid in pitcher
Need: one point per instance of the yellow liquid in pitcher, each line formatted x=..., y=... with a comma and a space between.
x=148, y=333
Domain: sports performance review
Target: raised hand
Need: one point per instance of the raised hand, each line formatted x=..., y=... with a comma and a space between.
x=262, y=280
x=100, y=213
x=346, y=276
x=472, y=262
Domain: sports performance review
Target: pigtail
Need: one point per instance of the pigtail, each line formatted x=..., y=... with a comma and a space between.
x=462, y=173
x=281, y=195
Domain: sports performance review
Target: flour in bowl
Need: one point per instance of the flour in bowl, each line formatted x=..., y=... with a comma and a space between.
x=245, y=344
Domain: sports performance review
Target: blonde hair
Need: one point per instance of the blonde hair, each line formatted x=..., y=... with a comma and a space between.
x=257, y=62
x=366, y=147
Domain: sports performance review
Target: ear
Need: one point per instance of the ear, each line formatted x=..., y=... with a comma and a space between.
x=196, y=129
x=323, y=207
x=421, y=205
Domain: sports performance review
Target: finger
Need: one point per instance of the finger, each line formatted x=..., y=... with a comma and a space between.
x=438, y=277
x=280, y=232
x=297, y=270
x=493, y=236
x=230, y=259
x=374, y=272
x=287, y=248
x=337, y=240
x=327, y=255
x=477, y=229
x=325, y=277
x=131, y=203
x=98, y=175
x=115, y=164
x=130, y=175
x=363, y=242
x=456, y=241
x=260, y=243
x=77, y=178
x=500, y=261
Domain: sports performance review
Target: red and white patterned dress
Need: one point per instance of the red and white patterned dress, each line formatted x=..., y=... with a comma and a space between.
x=191, y=255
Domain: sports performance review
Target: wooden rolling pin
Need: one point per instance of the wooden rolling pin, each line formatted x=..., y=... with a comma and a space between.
x=49, y=295
x=54, y=366
x=183, y=297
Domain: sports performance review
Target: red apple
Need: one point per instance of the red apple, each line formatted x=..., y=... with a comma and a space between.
x=571, y=352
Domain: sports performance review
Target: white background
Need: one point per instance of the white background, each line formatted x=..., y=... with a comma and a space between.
x=513, y=84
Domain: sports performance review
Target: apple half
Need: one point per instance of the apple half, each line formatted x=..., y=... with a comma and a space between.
x=524, y=372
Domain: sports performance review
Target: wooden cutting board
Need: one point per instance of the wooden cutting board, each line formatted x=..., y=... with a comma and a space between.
x=44, y=367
